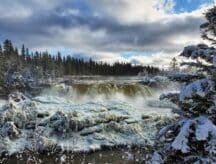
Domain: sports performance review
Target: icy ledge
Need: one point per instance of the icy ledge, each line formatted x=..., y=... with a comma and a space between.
x=52, y=124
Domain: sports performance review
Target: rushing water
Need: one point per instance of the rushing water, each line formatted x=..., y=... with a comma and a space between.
x=86, y=115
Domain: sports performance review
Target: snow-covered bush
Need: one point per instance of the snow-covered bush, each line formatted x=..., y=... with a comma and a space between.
x=192, y=139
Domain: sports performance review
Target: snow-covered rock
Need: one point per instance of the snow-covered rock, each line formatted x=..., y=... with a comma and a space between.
x=9, y=129
x=43, y=144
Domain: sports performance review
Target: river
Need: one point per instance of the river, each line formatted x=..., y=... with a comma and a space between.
x=86, y=120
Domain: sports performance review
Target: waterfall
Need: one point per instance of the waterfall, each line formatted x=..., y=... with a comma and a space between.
x=82, y=117
x=105, y=89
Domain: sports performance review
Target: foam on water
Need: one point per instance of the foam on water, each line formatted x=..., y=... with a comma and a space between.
x=2, y=103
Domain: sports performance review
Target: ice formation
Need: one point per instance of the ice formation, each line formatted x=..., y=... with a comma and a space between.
x=55, y=124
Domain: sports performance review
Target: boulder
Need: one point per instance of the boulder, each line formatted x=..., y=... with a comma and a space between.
x=59, y=122
x=9, y=129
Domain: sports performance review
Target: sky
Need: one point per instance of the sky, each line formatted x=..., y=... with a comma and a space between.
x=147, y=32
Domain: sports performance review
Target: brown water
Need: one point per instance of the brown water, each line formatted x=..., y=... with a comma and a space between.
x=110, y=88
x=117, y=156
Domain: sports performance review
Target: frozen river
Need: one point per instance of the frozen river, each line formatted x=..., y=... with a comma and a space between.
x=83, y=116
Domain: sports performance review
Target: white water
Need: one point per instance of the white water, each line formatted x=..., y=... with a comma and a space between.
x=73, y=121
x=2, y=103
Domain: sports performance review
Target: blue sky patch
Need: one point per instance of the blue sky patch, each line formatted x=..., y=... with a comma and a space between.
x=189, y=5
x=130, y=53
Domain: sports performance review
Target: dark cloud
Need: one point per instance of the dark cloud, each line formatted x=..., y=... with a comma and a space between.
x=51, y=27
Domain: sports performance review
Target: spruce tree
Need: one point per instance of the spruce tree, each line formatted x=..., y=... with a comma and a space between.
x=192, y=138
x=8, y=48
x=1, y=52
x=174, y=65
x=2, y=65
x=23, y=52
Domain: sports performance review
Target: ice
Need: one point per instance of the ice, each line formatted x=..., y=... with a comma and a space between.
x=52, y=123
x=2, y=103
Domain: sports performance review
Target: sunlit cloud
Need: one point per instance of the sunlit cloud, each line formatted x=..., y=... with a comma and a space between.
x=104, y=30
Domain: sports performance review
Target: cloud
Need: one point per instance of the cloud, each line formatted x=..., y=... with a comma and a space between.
x=135, y=11
x=102, y=29
x=159, y=59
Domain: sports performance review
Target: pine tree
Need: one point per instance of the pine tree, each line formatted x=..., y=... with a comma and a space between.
x=23, y=52
x=208, y=29
x=43, y=64
x=1, y=52
x=8, y=48
x=2, y=64
x=26, y=52
x=174, y=65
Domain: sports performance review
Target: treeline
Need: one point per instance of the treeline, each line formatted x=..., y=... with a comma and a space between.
x=43, y=64
x=72, y=66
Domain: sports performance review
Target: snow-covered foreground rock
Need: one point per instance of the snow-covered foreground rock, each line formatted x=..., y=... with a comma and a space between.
x=49, y=124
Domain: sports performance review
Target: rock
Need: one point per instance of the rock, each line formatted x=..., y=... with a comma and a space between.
x=145, y=117
x=77, y=125
x=9, y=129
x=3, y=148
x=110, y=116
x=19, y=119
x=16, y=97
x=43, y=144
x=91, y=130
x=42, y=115
x=30, y=125
x=131, y=121
x=59, y=122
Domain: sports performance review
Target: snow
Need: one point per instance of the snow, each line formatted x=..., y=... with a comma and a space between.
x=200, y=51
x=48, y=122
x=181, y=141
x=200, y=88
x=192, y=138
x=156, y=159
x=51, y=99
x=184, y=77
x=214, y=61
x=2, y=103
x=204, y=129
